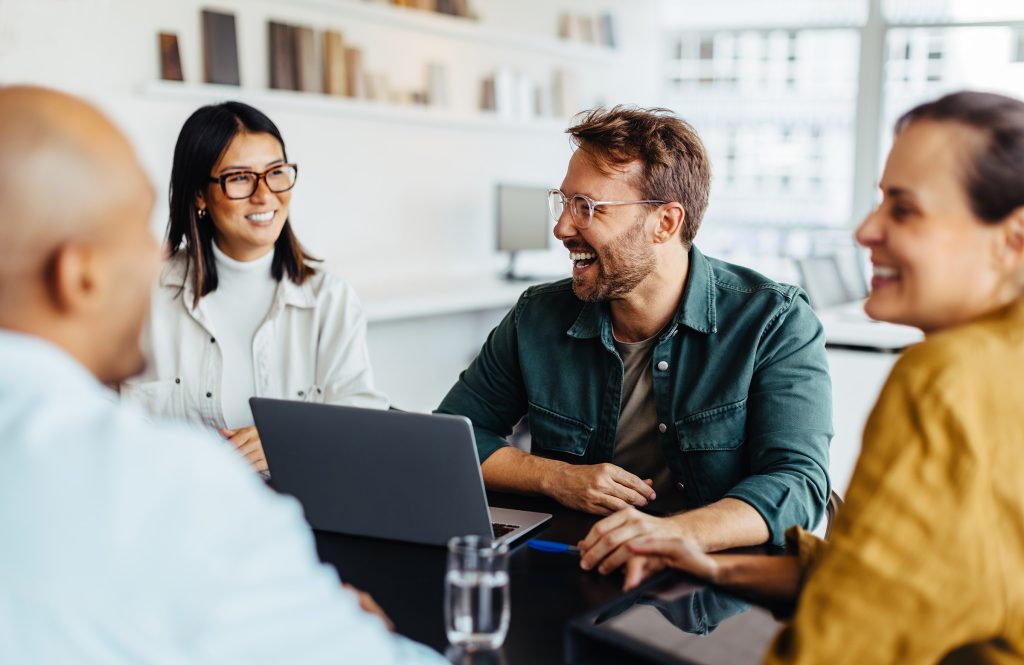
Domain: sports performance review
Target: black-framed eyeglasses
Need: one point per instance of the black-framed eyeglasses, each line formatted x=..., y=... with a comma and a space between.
x=243, y=184
x=581, y=208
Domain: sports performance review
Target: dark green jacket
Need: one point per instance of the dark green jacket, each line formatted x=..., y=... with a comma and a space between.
x=741, y=387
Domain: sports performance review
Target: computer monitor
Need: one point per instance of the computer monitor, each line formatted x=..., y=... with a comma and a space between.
x=523, y=221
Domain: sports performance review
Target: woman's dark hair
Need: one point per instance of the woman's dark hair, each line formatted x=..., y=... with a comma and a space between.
x=203, y=139
x=993, y=173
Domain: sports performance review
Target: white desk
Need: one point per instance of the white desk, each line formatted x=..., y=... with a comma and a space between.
x=437, y=296
x=848, y=326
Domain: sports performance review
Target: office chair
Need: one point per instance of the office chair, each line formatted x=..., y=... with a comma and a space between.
x=823, y=281
x=835, y=502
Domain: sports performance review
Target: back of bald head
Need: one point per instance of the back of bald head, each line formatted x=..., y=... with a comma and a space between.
x=65, y=172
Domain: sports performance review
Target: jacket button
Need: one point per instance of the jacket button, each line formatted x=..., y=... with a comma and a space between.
x=213, y=340
x=302, y=393
x=662, y=427
x=177, y=380
x=663, y=366
x=681, y=487
x=209, y=394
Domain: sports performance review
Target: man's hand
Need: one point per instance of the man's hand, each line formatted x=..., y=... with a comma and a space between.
x=598, y=488
x=370, y=606
x=247, y=441
x=605, y=545
x=650, y=554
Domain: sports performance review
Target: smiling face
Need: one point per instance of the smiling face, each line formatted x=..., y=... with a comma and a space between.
x=246, y=229
x=613, y=256
x=935, y=263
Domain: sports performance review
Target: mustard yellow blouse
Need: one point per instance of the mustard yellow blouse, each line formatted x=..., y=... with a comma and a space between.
x=926, y=559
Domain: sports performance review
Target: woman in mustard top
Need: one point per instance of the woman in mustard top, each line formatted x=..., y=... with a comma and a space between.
x=925, y=563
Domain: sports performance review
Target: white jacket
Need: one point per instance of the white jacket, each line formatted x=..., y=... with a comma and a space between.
x=311, y=347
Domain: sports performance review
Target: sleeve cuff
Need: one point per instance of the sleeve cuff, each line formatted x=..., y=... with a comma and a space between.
x=807, y=548
x=487, y=445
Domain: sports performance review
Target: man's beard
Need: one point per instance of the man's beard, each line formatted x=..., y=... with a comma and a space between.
x=621, y=266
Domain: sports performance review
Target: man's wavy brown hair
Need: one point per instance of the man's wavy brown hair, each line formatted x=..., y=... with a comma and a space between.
x=674, y=164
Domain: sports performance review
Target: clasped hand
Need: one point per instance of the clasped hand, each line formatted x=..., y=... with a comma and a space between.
x=600, y=488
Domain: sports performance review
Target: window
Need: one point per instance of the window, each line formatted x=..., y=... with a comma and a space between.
x=776, y=97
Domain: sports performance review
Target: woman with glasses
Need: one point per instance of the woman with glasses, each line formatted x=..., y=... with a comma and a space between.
x=240, y=310
x=925, y=563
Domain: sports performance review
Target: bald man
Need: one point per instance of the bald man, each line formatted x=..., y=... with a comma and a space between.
x=120, y=541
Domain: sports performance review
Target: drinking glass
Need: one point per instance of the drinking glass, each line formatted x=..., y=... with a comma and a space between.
x=476, y=607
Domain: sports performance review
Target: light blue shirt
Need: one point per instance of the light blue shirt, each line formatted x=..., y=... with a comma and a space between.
x=127, y=542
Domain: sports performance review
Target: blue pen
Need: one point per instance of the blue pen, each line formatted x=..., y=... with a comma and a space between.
x=551, y=546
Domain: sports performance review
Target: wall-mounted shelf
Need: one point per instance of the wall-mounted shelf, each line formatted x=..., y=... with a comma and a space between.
x=315, y=103
x=463, y=29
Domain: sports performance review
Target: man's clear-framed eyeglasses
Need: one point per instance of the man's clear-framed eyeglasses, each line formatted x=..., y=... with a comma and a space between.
x=243, y=184
x=581, y=208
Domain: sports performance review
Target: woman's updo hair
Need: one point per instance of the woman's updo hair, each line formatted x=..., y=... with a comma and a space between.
x=993, y=173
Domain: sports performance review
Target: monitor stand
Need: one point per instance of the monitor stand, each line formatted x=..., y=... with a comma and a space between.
x=510, y=274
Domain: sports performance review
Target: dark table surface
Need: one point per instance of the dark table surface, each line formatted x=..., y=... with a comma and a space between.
x=546, y=589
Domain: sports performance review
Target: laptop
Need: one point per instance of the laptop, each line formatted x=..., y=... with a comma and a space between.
x=413, y=477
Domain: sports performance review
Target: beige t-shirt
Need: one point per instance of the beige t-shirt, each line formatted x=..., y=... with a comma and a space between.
x=637, y=440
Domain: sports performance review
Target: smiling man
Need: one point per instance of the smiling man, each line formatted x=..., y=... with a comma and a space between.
x=656, y=377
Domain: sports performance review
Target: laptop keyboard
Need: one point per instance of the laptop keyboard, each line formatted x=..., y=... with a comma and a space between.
x=501, y=529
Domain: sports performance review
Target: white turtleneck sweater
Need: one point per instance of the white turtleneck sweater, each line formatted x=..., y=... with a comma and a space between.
x=245, y=290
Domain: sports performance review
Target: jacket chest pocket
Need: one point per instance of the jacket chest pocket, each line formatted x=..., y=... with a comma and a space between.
x=160, y=399
x=557, y=435
x=711, y=442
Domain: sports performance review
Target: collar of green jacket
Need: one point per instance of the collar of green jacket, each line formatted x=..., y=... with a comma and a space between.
x=696, y=309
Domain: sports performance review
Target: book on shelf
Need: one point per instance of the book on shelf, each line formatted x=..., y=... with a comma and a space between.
x=220, y=48
x=459, y=8
x=565, y=26
x=377, y=87
x=586, y=29
x=570, y=27
x=436, y=93
x=335, y=71
x=309, y=72
x=282, y=56
x=514, y=94
x=170, y=58
x=487, y=98
x=542, y=101
x=355, y=80
x=565, y=95
x=606, y=30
